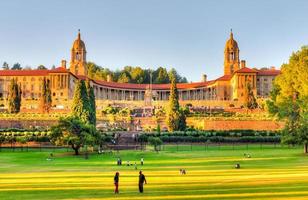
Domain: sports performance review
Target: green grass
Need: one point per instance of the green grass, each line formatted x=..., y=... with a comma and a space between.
x=270, y=173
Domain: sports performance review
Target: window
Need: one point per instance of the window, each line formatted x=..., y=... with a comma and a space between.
x=265, y=79
x=54, y=94
x=25, y=79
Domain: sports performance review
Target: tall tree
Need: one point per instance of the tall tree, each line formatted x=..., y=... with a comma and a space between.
x=289, y=98
x=45, y=100
x=14, y=97
x=80, y=106
x=250, y=100
x=161, y=75
x=74, y=132
x=91, y=96
x=5, y=66
x=173, y=113
x=16, y=66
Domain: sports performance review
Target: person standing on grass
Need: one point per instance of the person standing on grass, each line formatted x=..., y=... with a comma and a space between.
x=116, y=183
x=142, y=181
x=141, y=161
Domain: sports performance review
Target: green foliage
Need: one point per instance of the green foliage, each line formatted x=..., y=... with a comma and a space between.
x=5, y=66
x=16, y=66
x=250, y=100
x=176, y=117
x=81, y=107
x=133, y=74
x=74, y=132
x=41, y=67
x=92, y=105
x=289, y=98
x=45, y=99
x=14, y=97
x=156, y=142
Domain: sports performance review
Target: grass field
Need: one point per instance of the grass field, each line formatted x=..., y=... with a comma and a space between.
x=270, y=173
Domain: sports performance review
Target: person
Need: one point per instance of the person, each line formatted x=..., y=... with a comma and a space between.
x=118, y=161
x=141, y=161
x=116, y=183
x=135, y=166
x=142, y=181
x=127, y=163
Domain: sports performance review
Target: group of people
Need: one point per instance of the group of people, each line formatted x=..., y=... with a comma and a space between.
x=119, y=162
x=141, y=182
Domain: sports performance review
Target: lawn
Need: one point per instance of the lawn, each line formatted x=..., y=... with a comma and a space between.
x=270, y=173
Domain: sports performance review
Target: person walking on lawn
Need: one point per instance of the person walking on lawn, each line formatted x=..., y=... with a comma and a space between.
x=116, y=183
x=142, y=181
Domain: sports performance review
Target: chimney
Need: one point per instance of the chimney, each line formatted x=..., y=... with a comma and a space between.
x=243, y=63
x=63, y=64
x=204, y=78
x=109, y=78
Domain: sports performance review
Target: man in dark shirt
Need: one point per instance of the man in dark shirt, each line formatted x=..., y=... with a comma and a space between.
x=116, y=183
x=142, y=181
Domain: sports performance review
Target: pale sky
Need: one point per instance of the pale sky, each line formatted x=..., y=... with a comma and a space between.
x=187, y=35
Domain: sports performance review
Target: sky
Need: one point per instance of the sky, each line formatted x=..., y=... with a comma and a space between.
x=186, y=35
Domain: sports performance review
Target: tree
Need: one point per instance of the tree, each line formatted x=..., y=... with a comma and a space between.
x=74, y=132
x=16, y=66
x=173, y=113
x=289, y=98
x=91, y=96
x=250, y=100
x=124, y=78
x=5, y=66
x=138, y=75
x=156, y=142
x=161, y=75
x=81, y=106
x=45, y=99
x=41, y=67
x=14, y=97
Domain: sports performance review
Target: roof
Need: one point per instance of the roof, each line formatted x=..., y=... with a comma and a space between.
x=34, y=72
x=180, y=86
x=224, y=78
x=269, y=72
x=246, y=70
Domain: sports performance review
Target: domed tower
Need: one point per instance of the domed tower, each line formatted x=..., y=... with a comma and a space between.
x=78, y=57
x=232, y=56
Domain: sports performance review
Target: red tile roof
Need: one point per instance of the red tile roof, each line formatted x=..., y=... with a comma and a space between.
x=224, y=78
x=246, y=70
x=34, y=72
x=40, y=72
x=270, y=72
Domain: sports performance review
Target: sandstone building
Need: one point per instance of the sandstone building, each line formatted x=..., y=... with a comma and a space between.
x=221, y=92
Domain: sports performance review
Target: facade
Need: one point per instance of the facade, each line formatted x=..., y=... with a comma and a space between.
x=220, y=92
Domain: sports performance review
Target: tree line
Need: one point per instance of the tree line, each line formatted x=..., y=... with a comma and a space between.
x=131, y=74
x=128, y=74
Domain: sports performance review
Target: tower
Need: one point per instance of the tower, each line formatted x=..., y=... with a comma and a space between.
x=232, y=60
x=78, y=57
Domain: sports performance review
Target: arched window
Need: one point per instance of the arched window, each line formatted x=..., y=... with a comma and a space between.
x=77, y=56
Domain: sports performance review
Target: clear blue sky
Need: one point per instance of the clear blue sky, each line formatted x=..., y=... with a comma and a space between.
x=188, y=35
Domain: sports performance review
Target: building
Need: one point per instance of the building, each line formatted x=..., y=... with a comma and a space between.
x=220, y=92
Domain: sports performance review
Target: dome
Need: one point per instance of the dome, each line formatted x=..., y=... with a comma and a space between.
x=231, y=43
x=79, y=44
